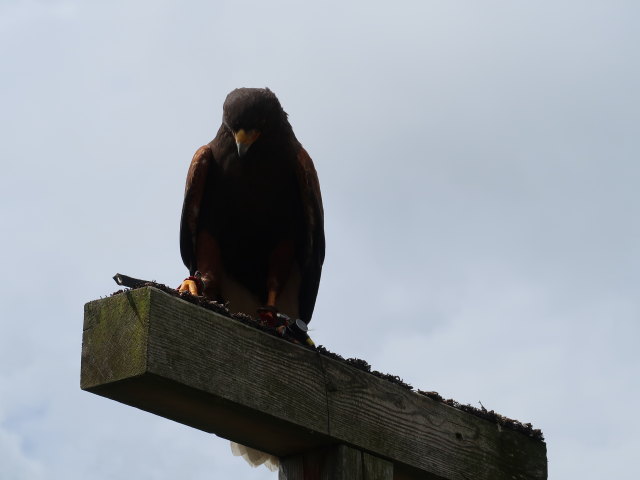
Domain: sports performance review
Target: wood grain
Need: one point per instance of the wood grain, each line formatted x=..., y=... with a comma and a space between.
x=338, y=462
x=159, y=353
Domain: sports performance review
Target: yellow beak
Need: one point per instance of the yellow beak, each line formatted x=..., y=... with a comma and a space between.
x=245, y=139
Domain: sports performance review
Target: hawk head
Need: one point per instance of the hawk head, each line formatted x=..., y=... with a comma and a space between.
x=251, y=114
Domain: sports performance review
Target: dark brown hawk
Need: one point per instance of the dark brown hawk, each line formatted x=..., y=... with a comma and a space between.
x=252, y=220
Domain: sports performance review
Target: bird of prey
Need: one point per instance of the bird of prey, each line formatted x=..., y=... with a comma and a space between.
x=252, y=227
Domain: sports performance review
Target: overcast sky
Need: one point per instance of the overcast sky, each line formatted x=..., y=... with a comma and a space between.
x=479, y=169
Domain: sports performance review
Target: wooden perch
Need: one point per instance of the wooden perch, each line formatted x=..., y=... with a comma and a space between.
x=156, y=352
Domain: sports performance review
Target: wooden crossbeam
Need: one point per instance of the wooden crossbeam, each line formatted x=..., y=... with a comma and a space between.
x=161, y=354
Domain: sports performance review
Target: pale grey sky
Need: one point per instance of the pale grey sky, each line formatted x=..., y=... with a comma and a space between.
x=478, y=162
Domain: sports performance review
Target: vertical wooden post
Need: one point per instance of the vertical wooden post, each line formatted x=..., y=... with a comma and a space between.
x=338, y=462
x=376, y=468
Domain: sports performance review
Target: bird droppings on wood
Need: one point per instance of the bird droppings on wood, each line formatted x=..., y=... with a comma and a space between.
x=489, y=415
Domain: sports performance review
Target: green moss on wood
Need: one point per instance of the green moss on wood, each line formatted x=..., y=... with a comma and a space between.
x=114, y=341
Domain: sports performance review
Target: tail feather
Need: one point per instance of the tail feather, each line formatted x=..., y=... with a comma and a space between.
x=254, y=457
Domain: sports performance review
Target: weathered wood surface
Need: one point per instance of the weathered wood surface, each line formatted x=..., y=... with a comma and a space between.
x=159, y=353
x=338, y=462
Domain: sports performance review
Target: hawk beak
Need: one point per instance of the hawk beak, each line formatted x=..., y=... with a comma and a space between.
x=244, y=140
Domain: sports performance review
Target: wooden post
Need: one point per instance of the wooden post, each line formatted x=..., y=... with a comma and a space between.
x=336, y=463
x=159, y=353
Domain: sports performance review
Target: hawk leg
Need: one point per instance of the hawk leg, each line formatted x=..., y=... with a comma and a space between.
x=280, y=262
x=209, y=266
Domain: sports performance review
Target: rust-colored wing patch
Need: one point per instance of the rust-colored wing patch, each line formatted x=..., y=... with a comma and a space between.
x=193, y=193
x=312, y=255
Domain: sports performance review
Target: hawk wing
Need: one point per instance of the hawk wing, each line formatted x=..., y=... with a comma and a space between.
x=311, y=255
x=193, y=194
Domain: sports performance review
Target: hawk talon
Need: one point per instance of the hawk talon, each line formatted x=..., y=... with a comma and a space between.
x=268, y=315
x=192, y=284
